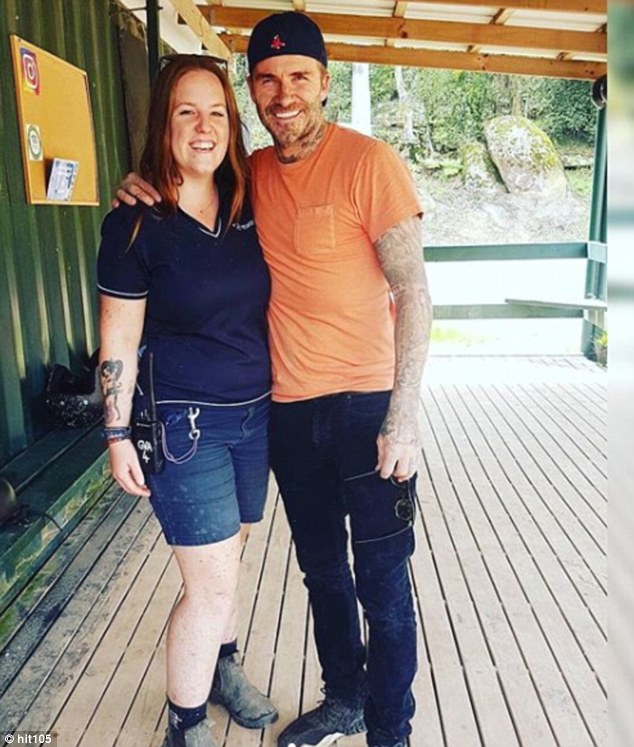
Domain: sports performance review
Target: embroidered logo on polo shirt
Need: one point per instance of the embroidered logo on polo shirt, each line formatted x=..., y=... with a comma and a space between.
x=277, y=43
x=243, y=226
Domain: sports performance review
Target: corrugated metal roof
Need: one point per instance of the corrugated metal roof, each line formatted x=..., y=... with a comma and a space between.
x=458, y=13
x=549, y=20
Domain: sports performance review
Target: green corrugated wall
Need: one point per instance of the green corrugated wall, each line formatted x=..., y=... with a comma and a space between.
x=47, y=253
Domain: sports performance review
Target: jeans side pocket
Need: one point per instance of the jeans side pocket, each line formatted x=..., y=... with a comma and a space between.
x=377, y=507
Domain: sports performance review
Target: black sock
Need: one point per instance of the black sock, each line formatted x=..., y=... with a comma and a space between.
x=184, y=718
x=227, y=649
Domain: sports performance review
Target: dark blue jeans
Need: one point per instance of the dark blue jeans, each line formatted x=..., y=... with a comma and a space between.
x=323, y=453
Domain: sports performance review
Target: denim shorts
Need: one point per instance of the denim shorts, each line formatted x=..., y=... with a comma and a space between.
x=213, y=484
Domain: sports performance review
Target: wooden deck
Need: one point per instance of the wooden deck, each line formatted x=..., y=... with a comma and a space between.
x=509, y=575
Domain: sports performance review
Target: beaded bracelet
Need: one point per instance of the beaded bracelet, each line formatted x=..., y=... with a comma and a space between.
x=116, y=433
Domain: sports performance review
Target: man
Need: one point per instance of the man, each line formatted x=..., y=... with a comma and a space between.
x=339, y=222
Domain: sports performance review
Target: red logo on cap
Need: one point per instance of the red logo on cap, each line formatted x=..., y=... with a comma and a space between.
x=277, y=43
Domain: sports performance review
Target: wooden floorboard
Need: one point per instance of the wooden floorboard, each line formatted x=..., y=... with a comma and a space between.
x=589, y=404
x=533, y=518
x=509, y=579
x=537, y=467
x=549, y=450
x=84, y=702
x=537, y=574
x=69, y=641
x=577, y=432
x=459, y=487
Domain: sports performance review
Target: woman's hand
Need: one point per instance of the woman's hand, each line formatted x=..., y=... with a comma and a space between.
x=133, y=188
x=126, y=469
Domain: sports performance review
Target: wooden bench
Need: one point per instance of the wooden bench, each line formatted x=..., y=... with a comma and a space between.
x=591, y=309
x=584, y=304
x=56, y=480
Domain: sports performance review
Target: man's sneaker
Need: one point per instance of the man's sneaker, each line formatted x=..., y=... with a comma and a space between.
x=323, y=725
x=246, y=704
x=197, y=736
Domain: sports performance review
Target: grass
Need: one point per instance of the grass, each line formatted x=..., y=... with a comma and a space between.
x=450, y=334
x=580, y=181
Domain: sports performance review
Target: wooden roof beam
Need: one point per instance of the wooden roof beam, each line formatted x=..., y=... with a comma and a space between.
x=502, y=16
x=196, y=21
x=557, y=6
x=512, y=65
x=400, y=8
x=436, y=31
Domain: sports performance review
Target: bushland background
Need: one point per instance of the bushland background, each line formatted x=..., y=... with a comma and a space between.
x=430, y=116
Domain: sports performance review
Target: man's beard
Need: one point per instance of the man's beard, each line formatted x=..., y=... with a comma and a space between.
x=288, y=134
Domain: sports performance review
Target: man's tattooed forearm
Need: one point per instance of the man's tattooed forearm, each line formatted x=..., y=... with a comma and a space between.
x=400, y=253
x=110, y=373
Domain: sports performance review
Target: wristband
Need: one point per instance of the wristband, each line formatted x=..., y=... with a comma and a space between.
x=118, y=433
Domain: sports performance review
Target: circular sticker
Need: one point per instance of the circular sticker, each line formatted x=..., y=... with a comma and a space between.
x=34, y=142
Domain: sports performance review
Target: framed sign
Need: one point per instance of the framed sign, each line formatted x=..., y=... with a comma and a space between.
x=59, y=155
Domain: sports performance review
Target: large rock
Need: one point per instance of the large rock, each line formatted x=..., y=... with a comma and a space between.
x=525, y=157
x=478, y=171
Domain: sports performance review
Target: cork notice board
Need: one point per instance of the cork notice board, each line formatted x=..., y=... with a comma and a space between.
x=55, y=121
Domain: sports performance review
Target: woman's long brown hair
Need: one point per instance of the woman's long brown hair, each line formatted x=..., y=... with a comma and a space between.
x=157, y=164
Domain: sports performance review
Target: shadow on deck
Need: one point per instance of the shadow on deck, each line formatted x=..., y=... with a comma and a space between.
x=509, y=576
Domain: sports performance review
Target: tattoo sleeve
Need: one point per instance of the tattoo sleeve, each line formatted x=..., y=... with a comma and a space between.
x=400, y=252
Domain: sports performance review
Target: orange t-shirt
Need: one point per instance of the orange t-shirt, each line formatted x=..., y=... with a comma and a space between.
x=331, y=318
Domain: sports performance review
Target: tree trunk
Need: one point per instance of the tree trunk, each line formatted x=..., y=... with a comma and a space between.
x=516, y=96
x=405, y=106
x=412, y=136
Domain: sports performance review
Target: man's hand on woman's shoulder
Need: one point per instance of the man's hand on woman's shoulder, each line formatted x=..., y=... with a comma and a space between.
x=133, y=188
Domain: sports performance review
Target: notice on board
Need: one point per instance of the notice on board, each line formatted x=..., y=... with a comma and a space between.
x=62, y=180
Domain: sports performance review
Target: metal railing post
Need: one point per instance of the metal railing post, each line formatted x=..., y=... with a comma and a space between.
x=153, y=37
x=595, y=285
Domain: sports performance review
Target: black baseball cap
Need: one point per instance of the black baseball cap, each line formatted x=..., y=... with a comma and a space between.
x=286, y=33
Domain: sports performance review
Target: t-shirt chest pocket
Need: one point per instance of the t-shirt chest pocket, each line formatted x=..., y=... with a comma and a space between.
x=315, y=230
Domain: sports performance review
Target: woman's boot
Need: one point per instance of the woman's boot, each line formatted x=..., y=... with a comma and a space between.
x=246, y=704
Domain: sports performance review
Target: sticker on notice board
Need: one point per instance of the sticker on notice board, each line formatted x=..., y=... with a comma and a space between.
x=34, y=143
x=62, y=179
x=30, y=71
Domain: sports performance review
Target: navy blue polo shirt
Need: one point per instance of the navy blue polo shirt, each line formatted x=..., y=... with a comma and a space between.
x=207, y=294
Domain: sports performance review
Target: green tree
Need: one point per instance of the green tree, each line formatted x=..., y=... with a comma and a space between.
x=564, y=109
x=339, y=108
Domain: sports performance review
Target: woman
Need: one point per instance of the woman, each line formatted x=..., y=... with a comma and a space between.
x=185, y=285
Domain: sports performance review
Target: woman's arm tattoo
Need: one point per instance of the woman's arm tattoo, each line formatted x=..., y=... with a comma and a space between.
x=110, y=373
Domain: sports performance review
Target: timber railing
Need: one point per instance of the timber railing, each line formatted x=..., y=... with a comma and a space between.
x=590, y=304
